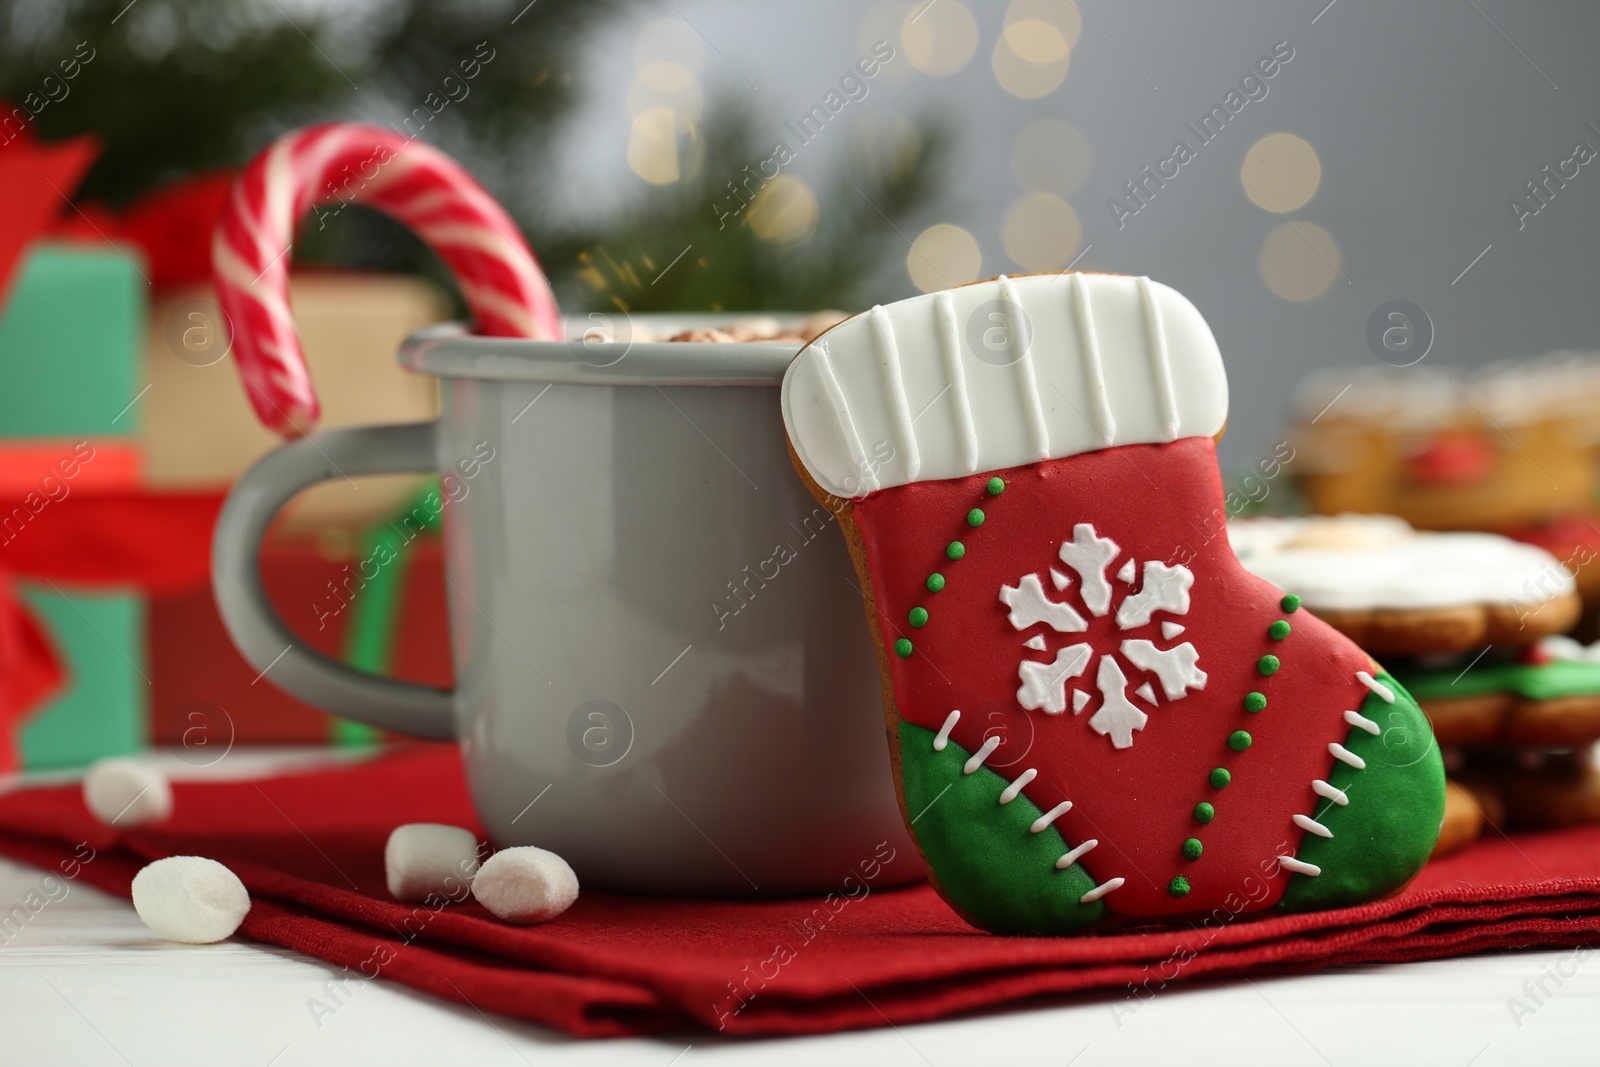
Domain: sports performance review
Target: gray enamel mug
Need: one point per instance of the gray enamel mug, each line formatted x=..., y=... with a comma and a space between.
x=662, y=673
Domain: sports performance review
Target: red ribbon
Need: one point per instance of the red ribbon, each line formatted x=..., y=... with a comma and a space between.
x=119, y=538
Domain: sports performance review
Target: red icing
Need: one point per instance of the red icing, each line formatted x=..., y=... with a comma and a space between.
x=1157, y=502
x=1572, y=539
x=1454, y=457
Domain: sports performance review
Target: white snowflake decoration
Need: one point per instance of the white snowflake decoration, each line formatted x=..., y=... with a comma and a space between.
x=1045, y=682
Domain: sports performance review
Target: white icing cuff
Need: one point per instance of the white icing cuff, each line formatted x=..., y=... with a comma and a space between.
x=998, y=374
x=1362, y=562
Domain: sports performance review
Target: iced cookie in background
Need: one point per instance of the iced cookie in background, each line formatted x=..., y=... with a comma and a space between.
x=1399, y=591
x=1520, y=728
x=1464, y=819
x=1531, y=788
x=1511, y=449
x=1095, y=715
x=1548, y=695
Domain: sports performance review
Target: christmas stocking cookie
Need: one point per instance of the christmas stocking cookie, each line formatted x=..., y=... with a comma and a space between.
x=1094, y=712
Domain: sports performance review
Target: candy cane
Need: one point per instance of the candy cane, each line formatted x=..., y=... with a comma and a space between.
x=415, y=183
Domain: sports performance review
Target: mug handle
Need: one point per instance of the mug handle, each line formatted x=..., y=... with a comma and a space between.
x=388, y=703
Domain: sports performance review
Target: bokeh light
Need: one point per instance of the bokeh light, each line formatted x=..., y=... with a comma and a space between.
x=1041, y=231
x=1050, y=156
x=943, y=255
x=939, y=36
x=784, y=211
x=669, y=40
x=1030, y=59
x=1063, y=15
x=881, y=22
x=1281, y=172
x=664, y=147
x=668, y=85
x=1299, y=261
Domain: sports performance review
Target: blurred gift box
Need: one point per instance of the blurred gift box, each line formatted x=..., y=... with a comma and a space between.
x=125, y=397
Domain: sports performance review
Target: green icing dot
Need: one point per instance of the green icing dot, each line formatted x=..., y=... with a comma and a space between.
x=918, y=616
x=1204, y=812
x=1239, y=740
x=902, y=647
x=996, y=486
x=935, y=582
x=1278, y=630
x=1192, y=848
x=1254, y=701
x=975, y=517
x=1220, y=777
x=1179, y=886
x=1290, y=602
x=1267, y=665
x=955, y=550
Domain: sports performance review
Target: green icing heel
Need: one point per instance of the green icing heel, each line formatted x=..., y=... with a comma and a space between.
x=1385, y=834
x=996, y=872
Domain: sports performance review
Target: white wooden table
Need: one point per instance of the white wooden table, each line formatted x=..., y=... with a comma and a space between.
x=84, y=983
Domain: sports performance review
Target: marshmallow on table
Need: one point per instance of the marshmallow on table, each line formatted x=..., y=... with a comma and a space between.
x=123, y=792
x=525, y=885
x=190, y=899
x=424, y=859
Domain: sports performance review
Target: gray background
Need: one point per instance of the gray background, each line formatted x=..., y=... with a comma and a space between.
x=1427, y=117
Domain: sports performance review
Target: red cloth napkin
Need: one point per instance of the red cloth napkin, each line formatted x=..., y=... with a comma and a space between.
x=310, y=849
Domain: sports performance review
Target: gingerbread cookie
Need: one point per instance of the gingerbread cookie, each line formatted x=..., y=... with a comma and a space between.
x=1094, y=714
x=1547, y=696
x=1398, y=591
x=1508, y=447
x=1537, y=789
x=1463, y=820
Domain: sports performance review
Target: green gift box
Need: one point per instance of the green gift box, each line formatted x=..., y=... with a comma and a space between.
x=71, y=343
x=101, y=710
x=71, y=349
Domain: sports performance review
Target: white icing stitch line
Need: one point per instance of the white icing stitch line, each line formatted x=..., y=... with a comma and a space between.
x=950, y=342
x=1161, y=360
x=1344, y=755
x=1355, y=718
x=1050, y=816
x=943, y=737
x=1101, y=890
x=1010, y=792
x=1289, y=863
x=1330, y=792
x=895, y=383
x=1076, y=854
x=982, y=754
x=1094, y=369
x=1312, y=826
x=1376, y=686
x=841, y=412
x=1027, y=378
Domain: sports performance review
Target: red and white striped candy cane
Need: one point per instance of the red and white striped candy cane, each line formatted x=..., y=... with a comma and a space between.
x=417, y=184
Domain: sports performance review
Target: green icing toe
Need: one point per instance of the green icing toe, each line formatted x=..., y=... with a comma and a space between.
x=1384, y=835
x=990, y=865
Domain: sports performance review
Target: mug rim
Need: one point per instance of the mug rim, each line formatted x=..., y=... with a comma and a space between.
x=450, y=350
